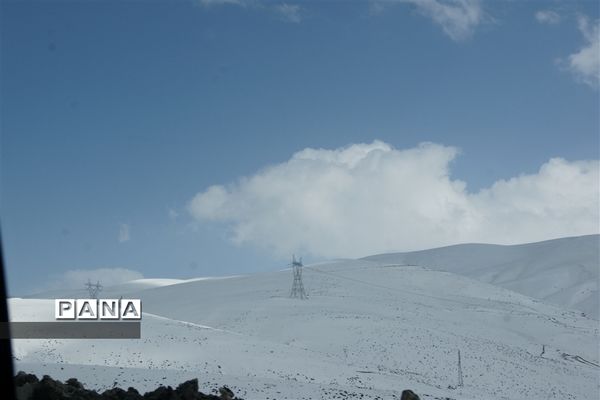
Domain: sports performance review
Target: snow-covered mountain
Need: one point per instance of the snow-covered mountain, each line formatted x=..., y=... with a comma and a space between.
x=368, y=330
x=563, y=271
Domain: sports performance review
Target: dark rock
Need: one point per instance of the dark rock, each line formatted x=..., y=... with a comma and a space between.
x=25, y=391
x=202, y=396
x=133, y=392
x=28, y=387
x=226, y=393
x=120, y=394
x=49, y=389
x=74, y=383
x=22, y=378
x=162, y=393
x=188, y=390
x=409, y=395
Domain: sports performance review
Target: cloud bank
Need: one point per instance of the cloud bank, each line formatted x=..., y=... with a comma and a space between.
x=372, y=198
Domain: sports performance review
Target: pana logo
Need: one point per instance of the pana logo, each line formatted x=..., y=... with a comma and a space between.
x=98, y=309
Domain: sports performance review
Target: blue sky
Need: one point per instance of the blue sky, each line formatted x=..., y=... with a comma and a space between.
x=117, y=116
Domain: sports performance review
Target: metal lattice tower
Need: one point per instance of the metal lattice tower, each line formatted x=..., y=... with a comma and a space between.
x=297, y=287
x=93, y=289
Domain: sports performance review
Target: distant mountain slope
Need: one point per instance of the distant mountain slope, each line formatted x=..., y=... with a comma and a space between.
x=563, y=271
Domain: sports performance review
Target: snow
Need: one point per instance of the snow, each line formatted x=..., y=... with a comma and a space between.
x=369, y=330
x=564, y=271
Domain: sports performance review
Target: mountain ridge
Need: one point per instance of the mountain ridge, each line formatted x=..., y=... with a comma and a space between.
x=563, y=271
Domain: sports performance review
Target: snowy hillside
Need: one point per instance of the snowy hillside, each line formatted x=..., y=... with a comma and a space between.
x=367, y=331
x=563, y=271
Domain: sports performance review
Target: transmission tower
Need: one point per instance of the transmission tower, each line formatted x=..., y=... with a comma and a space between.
x=93, y=289
x=297, y=287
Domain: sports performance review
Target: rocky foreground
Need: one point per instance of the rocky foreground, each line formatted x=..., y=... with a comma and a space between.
x=29, y=387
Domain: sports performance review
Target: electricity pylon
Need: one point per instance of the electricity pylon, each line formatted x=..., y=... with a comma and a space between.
x=93, y=289
x=297, y=287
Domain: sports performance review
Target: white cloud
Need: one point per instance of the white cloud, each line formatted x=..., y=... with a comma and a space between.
x=76, y=279
x=458, y=18
x=289, y=12
x=585, y=64
x=372, y=198
x=547, y=17
x=124, y=233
